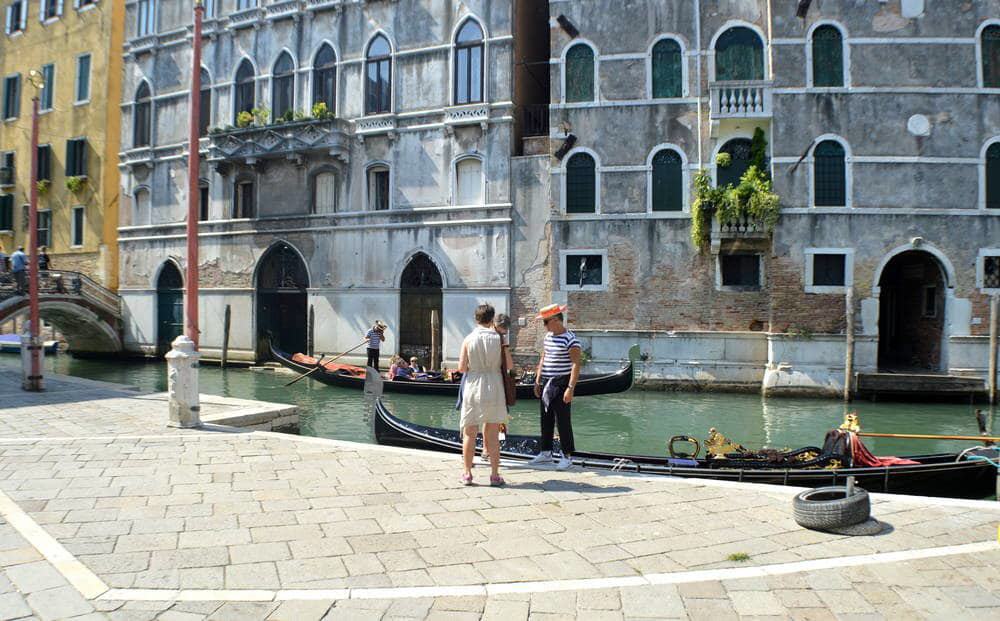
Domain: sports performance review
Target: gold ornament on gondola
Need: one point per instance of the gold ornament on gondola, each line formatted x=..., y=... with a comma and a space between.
x=718, y=445
x=851, y=422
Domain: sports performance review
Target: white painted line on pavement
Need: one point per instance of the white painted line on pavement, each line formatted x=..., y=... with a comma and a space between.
x=75, y=572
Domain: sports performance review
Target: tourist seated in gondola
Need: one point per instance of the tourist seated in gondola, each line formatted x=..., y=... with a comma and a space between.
x=400, y=370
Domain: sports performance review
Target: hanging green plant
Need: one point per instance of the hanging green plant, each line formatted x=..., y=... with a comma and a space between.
x=723, y=160
x=43, y=186
x=753, y=199
x=75, y=183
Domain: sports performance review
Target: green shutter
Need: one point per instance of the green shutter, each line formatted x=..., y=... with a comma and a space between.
x=829, y=175
x=828, y=57
x=991, y=56
x=580, y=74
x=667, y=69
x=668, y=184
x=993, y=176
x=7, y=212
x=739, y=55
x=580, y=184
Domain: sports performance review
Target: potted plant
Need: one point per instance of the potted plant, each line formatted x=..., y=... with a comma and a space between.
x=43, y=186
x=244, y=119
x=75, y=183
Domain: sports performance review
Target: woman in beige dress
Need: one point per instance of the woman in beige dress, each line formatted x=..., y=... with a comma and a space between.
x=483, y=401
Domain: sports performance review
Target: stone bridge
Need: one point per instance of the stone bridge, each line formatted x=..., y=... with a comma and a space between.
x=88, y=315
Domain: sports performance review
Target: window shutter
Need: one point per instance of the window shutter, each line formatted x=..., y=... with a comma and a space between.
x=580, y=74
x=993, y=176
x=41, y=10
x=830, y=175
x=828, y=57
x=667, y=71
x=7, y=212
x=668, y=185
x=10, y=16
x=70, y=158
x=59, y=7
x=82, y=157
x=17, y=96
x=580, y=181
x=24, y=14
x=470, y=173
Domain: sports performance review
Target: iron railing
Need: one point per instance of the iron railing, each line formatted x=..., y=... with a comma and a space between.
x=64, y=283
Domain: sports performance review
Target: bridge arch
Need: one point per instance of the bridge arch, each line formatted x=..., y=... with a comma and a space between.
x=86, y=329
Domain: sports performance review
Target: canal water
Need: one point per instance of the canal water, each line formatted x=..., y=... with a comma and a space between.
x=637, y=422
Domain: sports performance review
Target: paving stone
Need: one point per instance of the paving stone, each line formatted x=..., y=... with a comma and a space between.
x=702, y=590
x=259, y=552
x=146, y=543
x=652, y=601
x=13, y=606
x=59, y=603
x=705, y=609
x=798, y=598
x=300, y=611
x=756, y=603
x=242, y=611
x=37, y=576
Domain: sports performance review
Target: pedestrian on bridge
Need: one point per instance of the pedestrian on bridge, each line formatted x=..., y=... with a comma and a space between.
x=3, y=260
x=19, y=265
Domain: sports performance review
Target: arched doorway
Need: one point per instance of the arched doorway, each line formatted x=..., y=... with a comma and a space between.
x=911, y=313
x=419, y=296
x=738, y=150
x=169, y=307
x=282, y=300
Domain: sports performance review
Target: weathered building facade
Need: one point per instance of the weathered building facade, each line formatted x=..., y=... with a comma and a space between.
x=880, y=122
x=355, y=166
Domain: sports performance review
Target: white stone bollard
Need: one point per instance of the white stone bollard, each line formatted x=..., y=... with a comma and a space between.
x=182, y=384
x=28, y=382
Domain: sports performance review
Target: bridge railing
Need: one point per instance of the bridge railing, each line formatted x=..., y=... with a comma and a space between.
x=66, y=283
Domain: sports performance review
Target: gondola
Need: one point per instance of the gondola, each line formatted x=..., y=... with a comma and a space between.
x=619, y=381
x=945, y=475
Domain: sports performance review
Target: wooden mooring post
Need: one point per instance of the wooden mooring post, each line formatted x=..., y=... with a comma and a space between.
x=226, y=320
x=849, y=342
x=311, y=334
x=435, y=361
x=994, y=309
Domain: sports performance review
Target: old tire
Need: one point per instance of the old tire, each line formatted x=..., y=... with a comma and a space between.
x=828, y=508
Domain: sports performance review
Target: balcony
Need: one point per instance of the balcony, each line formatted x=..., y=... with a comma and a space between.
x=745, y=233
x=379, y=125
x=142, y=45
x=246, y=18
x=322, y=5
x=472, y=114
x=742, y=99
x=292, y=141
x=283, y=9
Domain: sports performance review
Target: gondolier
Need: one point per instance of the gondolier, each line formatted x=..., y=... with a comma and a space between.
x=375, y=337
x=555, y=382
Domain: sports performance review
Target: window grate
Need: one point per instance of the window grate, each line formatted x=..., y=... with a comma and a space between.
x=581, y=177
x=830, y=174
x=829, y=270
x=740, y=271
x=991, y=272
x=667, y=69
x=991, y=56
x=993, y=176
x=580, y=74
x=668, y=184
x=827, y=57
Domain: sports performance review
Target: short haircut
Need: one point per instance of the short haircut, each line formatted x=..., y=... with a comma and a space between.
x=502, y=320
x=558, y=316
x=484, y=313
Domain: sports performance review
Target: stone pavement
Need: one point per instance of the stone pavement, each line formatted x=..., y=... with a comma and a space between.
x=106, y=513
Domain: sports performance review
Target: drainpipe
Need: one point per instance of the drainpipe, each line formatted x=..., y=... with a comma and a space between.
x=994, y=310
x=698, y=91
x=849, y=341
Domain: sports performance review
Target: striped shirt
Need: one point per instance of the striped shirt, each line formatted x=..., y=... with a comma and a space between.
x=374, y=339
x=557, y=361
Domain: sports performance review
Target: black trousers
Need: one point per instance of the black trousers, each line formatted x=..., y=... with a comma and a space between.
x=21, y=280
x=557, y=414
x=373, y=358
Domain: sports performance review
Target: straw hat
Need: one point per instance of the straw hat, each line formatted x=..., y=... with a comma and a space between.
x=551, y=311
x=379, y=325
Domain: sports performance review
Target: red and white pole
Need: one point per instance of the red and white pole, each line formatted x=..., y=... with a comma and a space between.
x=34, y=380
x=194, y=194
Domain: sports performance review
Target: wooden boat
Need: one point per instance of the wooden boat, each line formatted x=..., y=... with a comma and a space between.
x=619, y=381
x=11, y=344
x=947, y=474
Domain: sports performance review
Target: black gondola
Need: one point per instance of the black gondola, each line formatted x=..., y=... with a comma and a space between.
x=946, y=475
x=619, y=381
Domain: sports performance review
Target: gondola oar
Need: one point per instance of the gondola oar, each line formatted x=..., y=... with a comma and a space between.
x=319, y=364
x=917, y=436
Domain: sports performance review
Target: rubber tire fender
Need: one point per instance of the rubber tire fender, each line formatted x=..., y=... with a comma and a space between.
x=825, y=514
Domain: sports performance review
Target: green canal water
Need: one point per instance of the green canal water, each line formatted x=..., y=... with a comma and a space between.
x=637, y=422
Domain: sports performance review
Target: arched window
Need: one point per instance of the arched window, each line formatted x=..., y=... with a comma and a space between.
x=378, y=187
x=244, y=199
x=829, y=175
x=324, y=79
x=378, y=77
x=739, y=55
x=325, y=192
x=666, y=67
x=581, y=184
x=283, y=88
x=142, y=129
x=243, y=89
x=141, y=206
x=990, y=43
x=205, y=104
x=738, y=150
x=667, y=181
x=469, y=181
x=579, y=73
x=993, y=176
x=469, y=64
x=827, y=56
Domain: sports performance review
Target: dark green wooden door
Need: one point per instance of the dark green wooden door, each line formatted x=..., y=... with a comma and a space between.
x=169, y=307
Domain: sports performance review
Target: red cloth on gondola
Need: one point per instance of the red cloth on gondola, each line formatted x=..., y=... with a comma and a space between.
x=332, y=367
x=863, y=458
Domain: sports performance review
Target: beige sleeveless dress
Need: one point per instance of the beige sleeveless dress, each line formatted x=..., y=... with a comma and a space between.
x=482, y=396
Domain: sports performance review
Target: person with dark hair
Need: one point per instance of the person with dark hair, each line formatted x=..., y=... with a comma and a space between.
x=555, y=381
x=483, y=401
x=375, y=336
x=44, y=263
x=19, y=266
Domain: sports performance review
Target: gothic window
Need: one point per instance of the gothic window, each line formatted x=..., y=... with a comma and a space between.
x=283, y=88
x=990, y=43
x=282, y=268
x=666, y=69
x=469, y=64
x=421, y=273
x=667, y=181
x=145, y=12
x=378, y=77
x=739, y=55
x=324, y=82
x=579, y=73
x=827, y=56
x=243, y=90
x=829, y=174
x=205, y=104
x=993, y=176
x=469, y=181
x=581, y=182
x=738, y=150
x=142, y=117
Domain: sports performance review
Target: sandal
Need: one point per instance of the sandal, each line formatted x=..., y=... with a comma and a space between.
x=466, y=479
x=497, y=481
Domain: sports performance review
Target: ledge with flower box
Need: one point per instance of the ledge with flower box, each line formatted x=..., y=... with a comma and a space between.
x=286, y=139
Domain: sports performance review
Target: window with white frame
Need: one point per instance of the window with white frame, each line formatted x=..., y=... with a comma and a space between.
x=469, y=181
x=378, y=188
x=76, y=231
x=47, y=95
x=242, y=5
x=50, y=9
x=666, y=70
x=829, y=270
x=44, y=227
x=739, y=272
x=988, y=270
x=829, y=174
x=283, y=88
x=583, y=270
x=17, y=16
x=989, y=42
x=827, y=56
x=82, y=94
x=378, y=76
x=244, y=199
x=145, y=11
x=578, y=85
x=325, y=192
x=12, y=96
x=79, y=4
x=468, y=69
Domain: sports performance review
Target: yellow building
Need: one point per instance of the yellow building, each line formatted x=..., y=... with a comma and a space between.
x=75, y=45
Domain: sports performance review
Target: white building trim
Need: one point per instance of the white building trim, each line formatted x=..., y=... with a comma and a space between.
x=846, y=53
x=685, y=177
x=597, y=68
x=810, y=254
x=605, y=269
x=736, y=23
x=564, y=177
x=649, y=66
x=848, y=172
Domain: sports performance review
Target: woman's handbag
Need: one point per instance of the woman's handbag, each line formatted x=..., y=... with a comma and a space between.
x=509, y=386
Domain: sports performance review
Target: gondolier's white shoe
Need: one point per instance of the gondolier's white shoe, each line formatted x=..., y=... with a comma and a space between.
x=564, y=463
x=544, y=457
